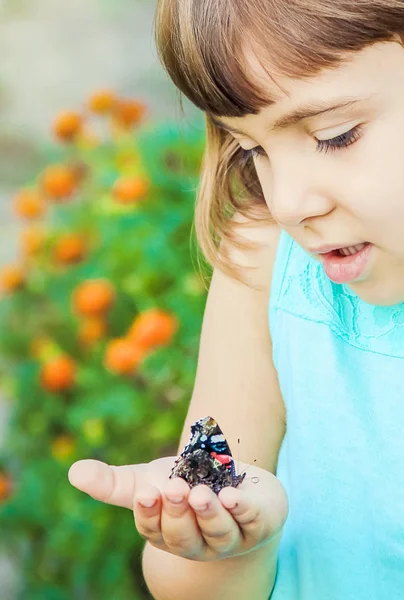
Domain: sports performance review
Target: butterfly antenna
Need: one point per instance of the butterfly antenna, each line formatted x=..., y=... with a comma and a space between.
x=238, y=464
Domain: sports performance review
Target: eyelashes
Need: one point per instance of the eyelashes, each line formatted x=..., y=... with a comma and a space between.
x=340, y=142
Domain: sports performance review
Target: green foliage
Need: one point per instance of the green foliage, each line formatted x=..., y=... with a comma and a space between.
x=68, y=545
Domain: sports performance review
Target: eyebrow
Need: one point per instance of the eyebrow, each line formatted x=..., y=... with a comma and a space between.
x=311, y=109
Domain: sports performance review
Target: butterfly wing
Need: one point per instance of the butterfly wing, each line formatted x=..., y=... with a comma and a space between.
x=207, y=458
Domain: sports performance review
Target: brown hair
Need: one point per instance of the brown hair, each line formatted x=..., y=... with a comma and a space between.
x=201, y=44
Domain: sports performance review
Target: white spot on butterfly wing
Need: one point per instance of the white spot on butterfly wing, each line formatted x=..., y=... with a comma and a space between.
x=218, y=438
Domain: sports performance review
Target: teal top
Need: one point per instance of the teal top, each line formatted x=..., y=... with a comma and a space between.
x=341, y=372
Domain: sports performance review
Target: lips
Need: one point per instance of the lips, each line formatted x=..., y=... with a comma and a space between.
x=331, y=247
x=344, y=265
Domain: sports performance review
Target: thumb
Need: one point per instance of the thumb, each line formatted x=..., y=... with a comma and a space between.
x=109, y=484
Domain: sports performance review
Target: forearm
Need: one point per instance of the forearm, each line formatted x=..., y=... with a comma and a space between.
x=170, y=577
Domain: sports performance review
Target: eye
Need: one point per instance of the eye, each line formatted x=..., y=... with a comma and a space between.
x=340, y=141
x=246, y=155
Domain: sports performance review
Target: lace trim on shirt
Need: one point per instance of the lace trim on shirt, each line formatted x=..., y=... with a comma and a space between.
x=306, y=292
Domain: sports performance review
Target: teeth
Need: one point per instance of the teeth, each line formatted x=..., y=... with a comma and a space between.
x=351, y=249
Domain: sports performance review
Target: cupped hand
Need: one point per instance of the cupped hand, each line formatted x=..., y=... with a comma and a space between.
x=192, y=523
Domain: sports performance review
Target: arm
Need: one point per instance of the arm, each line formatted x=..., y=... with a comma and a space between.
x=235, y=383
x=251, y=576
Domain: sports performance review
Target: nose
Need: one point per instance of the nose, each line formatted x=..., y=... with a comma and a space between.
x=296, y=197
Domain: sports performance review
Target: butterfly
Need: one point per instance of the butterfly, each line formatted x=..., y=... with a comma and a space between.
x=207, y=459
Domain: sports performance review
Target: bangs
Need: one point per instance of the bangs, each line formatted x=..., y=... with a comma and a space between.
x=205, y=44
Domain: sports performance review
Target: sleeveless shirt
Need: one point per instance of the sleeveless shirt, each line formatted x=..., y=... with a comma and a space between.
x=341, y=372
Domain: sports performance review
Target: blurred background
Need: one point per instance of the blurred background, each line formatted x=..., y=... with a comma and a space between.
x=101, y=299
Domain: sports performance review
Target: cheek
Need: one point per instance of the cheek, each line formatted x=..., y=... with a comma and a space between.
x=377, y=195
x=376, y=179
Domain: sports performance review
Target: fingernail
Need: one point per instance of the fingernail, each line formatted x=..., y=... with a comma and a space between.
x=147, y=503
x=175, y=499
x=201, y=508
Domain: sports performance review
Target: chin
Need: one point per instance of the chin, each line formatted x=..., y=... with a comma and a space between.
x=378, y=294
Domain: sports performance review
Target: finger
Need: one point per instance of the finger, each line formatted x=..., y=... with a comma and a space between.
x=109, y=484
x=147, y=515
x=219, y=530
x=179, y=526
x=247, y=513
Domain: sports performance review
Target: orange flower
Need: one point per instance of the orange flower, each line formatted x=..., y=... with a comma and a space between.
x=32, y=240
x=29, y=204
x=122, y=356
x=128, y=189
x=63, y=447
x=6, y=486
x=94, y=297
x=102, y=102
x=92, y=330
x=153, y=328
x=70, y=248
x=58, y=374
x=59, y=182
x=67, y=126
x=129, y=112
x=12, y=277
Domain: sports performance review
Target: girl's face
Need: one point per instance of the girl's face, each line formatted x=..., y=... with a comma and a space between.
x=329, y=154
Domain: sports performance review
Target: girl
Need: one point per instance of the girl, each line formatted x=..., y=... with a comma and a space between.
x=302, y=192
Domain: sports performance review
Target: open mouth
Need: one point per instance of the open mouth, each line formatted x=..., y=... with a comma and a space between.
x=347, y=264
x=350, y=250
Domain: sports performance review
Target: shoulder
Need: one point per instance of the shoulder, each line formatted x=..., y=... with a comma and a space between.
x=252, y=250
